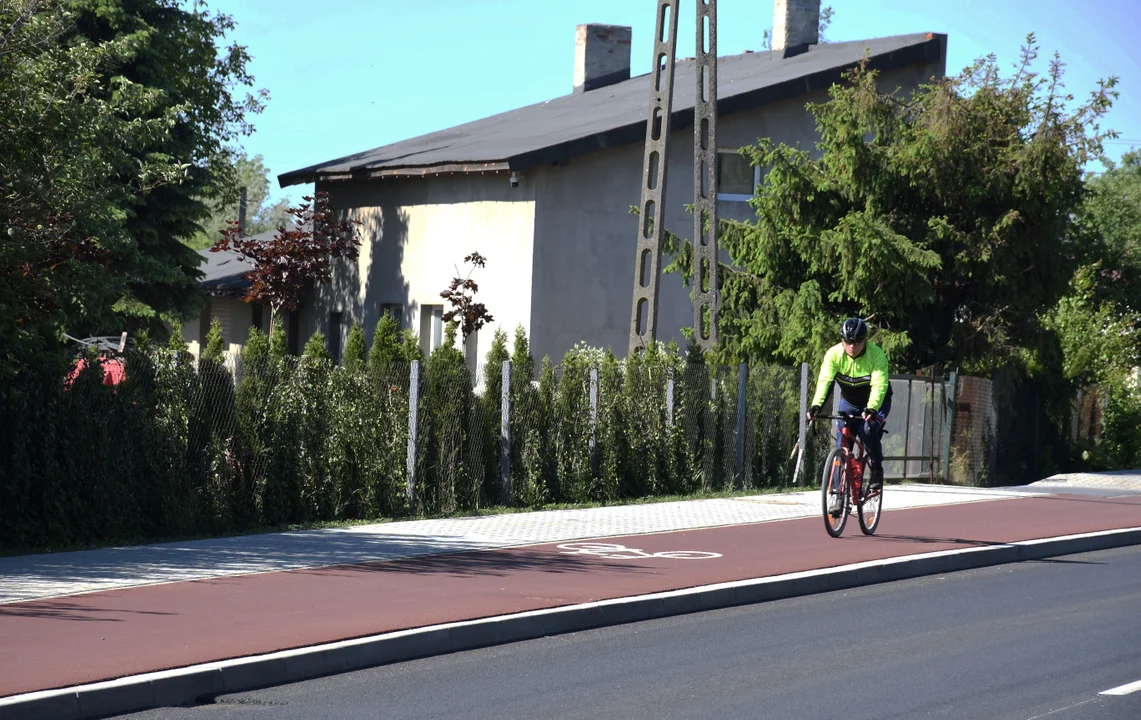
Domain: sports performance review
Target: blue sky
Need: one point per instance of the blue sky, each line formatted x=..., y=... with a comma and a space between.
x=346, y=76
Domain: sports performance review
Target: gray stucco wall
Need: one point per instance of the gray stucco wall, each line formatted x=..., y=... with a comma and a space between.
x=585, y=236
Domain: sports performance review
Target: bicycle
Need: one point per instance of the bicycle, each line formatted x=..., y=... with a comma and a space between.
x=842, y=485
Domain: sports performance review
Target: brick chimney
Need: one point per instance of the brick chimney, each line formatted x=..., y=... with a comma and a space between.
x=601, y=56
x=796, y=25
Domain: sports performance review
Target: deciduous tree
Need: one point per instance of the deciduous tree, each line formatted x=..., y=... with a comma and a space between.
x=946, y=218
x=466, y=312
x=297, y=255
x=252, y=175
x=66, y=256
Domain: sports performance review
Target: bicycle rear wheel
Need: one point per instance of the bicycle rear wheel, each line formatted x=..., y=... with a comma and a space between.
x=834, y=493
x=870, y=509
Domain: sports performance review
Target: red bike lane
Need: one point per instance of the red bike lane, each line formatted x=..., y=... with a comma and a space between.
x=86, y=638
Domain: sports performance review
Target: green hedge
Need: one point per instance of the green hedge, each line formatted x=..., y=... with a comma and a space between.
x=185, y=447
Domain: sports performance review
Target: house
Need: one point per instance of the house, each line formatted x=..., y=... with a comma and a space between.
x=545, y=191
x=224, y=287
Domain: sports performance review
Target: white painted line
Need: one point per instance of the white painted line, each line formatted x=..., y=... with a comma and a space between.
x=1123, y=689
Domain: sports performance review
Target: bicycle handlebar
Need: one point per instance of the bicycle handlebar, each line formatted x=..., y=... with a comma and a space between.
x=845, y=416
x=841, y=416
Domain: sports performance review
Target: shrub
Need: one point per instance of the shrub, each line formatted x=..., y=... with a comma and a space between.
x=492, y=416
x=355, y=353
x=447, y=482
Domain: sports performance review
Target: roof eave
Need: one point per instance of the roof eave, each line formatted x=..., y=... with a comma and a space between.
x=365, y=173
x=232, y=286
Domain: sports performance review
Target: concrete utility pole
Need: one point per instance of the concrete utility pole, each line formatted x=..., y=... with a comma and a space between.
x=647, y=265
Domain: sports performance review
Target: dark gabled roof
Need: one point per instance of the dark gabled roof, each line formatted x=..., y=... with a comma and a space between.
x=556, y=130
x=222, y=270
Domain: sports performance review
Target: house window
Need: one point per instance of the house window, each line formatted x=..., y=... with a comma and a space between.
x=334, y=336
x=737, y=178
x=431, y=327
x=396, y=310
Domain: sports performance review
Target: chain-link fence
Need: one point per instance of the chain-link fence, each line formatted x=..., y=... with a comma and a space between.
x=973, y=440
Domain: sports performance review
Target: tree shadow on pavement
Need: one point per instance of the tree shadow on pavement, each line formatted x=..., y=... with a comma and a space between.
x=69, y=610
x=498, y=563
x=940, y=540
x=975, y=543
x=30, y=578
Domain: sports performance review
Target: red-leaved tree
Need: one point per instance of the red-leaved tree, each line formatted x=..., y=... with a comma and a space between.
x=460, y=294
x=296, y=254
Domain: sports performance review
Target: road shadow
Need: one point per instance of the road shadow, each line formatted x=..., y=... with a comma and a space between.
x=69, y=610
x=493, y=563
x=940, y=540
x=975, y=543
x=217, y=559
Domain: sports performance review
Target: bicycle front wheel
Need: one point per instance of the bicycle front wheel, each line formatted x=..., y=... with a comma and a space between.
x=870, y=509
x=834, y=493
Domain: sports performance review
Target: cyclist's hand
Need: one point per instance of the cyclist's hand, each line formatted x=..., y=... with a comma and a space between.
x=870, y=416
x=812, y=413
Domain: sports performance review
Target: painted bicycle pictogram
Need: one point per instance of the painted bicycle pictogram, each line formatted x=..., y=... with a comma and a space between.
x=614, y=551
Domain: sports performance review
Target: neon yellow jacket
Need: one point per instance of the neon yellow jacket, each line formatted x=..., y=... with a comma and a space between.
x=863, y=380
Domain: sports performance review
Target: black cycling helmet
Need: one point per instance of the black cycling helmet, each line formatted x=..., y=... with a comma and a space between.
x=854, y=330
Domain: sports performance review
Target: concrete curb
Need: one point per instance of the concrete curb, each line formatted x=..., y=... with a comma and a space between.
x=199, y=683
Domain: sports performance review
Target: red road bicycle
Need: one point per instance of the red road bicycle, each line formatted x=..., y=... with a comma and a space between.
x=842, y=485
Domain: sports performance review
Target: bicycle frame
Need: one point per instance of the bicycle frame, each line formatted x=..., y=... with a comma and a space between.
x=855, y=457
x=843, y=481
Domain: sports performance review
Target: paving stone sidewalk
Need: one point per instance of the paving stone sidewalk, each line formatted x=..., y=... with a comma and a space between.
x=1127, y=480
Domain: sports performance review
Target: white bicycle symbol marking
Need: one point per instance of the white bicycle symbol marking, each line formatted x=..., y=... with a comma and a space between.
x=621, y=552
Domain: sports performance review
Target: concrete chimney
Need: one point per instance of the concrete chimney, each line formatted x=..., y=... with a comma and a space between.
x=601, y=56
x=242, y=212
x=796, y=25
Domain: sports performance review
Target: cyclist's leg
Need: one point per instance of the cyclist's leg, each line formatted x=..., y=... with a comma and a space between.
x=838, y=426
x=870, y=434
x=853, y=425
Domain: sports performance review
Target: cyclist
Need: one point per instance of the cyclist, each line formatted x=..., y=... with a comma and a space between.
x=861, y=369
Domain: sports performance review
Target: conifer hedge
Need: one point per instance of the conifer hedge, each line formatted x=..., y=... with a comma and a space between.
x=203, y=447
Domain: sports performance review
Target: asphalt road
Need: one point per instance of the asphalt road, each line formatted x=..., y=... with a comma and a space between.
x=1015, y=642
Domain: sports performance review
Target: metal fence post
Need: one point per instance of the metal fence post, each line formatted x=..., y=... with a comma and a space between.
x=742, y=382
x=951, y=382
x=413, y=412
x=670, y=399
x=505, y=435
x=593, y=419
x=907, y=425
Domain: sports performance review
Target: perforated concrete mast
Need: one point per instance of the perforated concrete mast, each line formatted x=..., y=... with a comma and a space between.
x=647, y=267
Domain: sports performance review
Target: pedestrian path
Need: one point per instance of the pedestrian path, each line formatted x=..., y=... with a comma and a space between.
x=1124, y=480
x=37, y=577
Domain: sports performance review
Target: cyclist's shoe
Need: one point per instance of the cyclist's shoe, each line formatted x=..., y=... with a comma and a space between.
x=875, y=483
x=835, y=505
